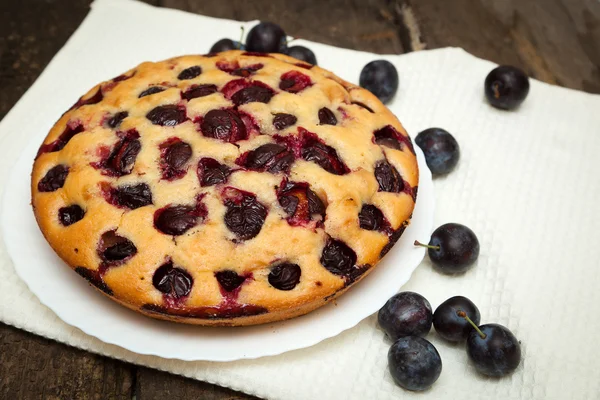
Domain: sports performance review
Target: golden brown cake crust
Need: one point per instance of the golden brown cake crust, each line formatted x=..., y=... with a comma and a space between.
x=227, y=189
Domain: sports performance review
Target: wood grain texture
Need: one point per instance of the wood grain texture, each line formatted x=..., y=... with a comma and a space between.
x=34, y=368
x=158, y=385
x=557, y=41
x=31, y=32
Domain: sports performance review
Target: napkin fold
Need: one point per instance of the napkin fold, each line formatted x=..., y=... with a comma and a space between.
x=526, y=183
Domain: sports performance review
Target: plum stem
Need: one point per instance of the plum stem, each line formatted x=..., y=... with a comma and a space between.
x=417, y=243
x=241, y=37
x=464, y=315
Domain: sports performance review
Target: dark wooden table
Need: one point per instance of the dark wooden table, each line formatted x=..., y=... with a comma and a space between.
x=556, y=41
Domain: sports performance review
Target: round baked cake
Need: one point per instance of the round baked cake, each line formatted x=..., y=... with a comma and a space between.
x=226, y=189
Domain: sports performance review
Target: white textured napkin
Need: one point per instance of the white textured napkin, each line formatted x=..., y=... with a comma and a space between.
x=527, y=184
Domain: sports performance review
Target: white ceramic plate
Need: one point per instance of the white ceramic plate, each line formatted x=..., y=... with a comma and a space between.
x=70, y=297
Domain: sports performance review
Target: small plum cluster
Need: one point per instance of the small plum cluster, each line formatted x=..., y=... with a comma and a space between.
x=266, y=37
x=414, y=362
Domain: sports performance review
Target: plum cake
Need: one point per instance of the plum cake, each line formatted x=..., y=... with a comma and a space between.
x=227, y=189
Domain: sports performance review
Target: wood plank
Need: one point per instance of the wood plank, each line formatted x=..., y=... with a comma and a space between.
x=33, y=368
x=31, y=33
x=553, y=40
x=158, y=385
